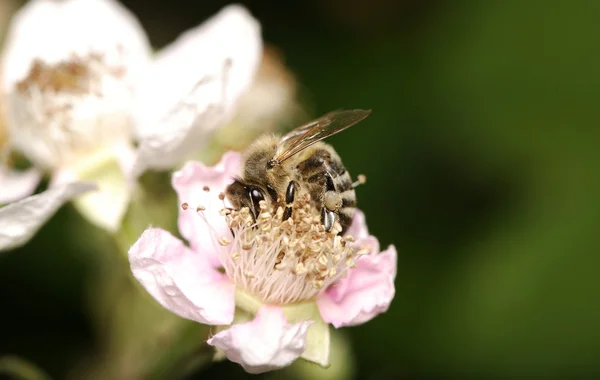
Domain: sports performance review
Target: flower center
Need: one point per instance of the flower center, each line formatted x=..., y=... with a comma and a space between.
x=64, y=77
x=61, y=111
x=285, y=261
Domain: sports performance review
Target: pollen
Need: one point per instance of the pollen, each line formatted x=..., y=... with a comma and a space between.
x=284, y=261
x=75, y=75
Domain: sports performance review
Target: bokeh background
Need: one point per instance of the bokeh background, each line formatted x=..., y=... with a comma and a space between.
x=483, y=164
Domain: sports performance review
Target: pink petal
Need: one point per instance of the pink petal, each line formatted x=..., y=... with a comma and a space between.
x=358, y=229
x=194, y=86
x=16, y=185
x=19, y=221
x=267, y=343
x=190, y=183
x=181, y=280
x=366, y=292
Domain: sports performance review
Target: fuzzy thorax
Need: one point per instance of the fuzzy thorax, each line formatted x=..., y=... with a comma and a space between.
x=285, y=261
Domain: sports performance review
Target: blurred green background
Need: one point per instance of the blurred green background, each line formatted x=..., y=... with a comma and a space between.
x=483, y=164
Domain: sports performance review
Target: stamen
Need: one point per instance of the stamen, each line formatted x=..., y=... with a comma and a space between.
x=284, y=261
x=361, y=180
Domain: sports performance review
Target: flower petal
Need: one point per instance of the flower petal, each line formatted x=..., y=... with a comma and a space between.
x=366, y=292
x=181, y=280
x=53, y=31
x=191, y=184
x=17, y=184
x=266, y=343
x=195, y=84
x=358, y=229
x=19, y=221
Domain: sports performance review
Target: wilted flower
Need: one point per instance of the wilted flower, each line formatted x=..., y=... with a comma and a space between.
x=81, y=84
x=271, y=286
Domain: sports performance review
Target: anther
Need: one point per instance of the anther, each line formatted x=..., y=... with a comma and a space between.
x=224, y=241
x=200, y=208
x=361, y=180
x=350, y=263
x=206, y=188
x=184, y=206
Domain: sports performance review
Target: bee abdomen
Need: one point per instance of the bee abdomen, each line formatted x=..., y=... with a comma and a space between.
x=348, y=202
x=343, y=182
x=345, y=215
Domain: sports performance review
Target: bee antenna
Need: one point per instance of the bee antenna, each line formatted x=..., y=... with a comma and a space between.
x=361, y=180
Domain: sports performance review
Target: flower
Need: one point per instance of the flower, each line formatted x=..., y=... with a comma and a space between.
x=271, y=288
x=81, y=85
x=19, y=221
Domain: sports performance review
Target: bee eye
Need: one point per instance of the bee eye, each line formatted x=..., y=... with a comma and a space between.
x=257, y=195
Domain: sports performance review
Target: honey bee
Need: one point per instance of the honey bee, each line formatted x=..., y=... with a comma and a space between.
x=281, y=169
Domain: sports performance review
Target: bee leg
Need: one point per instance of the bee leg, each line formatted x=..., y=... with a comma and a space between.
x=329, y=185
x=290, y=194
x=327, y=218
x=327, y=212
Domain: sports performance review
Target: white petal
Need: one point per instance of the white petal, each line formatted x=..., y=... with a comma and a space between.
x=266, y=343
x=195, y=84
x=19, y=221
x=15, y=185
x=54, y=30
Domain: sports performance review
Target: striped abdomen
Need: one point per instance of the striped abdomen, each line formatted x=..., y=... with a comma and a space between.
x=323, y=175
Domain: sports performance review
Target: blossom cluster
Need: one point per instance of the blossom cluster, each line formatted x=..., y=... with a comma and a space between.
x=86, y=101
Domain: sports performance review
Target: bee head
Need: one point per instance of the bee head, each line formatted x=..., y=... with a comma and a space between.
x=243, y=195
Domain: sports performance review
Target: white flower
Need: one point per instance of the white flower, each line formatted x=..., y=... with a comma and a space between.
x=19, y=221
x=81, y=85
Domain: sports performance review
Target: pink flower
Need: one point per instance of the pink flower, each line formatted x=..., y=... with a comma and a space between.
x=272, y=287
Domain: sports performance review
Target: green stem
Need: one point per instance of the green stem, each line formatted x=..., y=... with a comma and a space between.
x=21, y=369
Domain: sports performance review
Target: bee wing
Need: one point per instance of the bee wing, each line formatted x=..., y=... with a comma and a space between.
x=317, y=130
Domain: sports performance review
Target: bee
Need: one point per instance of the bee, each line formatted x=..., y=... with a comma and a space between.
x=280, y=170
